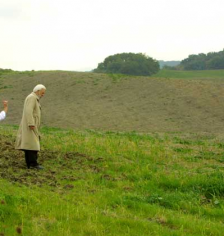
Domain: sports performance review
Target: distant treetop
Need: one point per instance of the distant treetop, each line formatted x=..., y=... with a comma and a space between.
x=129, y=63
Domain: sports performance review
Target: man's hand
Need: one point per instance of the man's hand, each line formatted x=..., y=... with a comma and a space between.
x=5, y=104
x=32, y=127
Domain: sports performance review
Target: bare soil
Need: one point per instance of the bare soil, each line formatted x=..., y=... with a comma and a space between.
x=103, y=102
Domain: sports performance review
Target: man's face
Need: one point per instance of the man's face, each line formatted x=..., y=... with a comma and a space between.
x=41, y=93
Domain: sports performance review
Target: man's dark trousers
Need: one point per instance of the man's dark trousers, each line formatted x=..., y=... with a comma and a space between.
x=31, y=158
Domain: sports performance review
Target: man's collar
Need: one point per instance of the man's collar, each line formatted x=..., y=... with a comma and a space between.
x=36, y=96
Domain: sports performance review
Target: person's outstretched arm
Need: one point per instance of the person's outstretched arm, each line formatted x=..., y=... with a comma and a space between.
x=3, y=113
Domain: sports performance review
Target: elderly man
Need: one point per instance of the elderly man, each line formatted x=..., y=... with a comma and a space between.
x=28, y=137
x=5, y=109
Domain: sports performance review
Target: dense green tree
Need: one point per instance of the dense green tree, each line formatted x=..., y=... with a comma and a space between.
x=128, y=63
x=212, y=60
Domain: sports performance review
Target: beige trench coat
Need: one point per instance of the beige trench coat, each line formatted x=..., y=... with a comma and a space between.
x=28, y=139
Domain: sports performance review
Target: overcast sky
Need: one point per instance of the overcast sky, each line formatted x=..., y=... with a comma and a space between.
x=78, y=34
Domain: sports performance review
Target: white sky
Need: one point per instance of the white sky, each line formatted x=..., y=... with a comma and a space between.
x=79, y=34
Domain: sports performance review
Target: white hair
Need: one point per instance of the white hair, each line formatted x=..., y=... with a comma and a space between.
x=39, y=87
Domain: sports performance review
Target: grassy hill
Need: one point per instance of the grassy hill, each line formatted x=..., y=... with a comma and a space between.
x=163, y=175
x=171, y=101
x=113, y=184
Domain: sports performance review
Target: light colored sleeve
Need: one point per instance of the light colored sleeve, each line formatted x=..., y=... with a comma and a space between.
x=2, y=115
x=29, y=107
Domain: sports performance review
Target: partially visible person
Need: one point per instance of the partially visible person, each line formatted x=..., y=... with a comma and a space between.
x=5, y=109
x=28, y=137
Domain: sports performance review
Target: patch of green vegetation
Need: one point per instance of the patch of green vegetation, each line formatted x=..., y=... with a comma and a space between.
x=96, y=81
x=5, y=71
x=116, y=77
x=6, y=87
x=111, y=183
x=199, y=74
x=79, y=81
x=183, y=150
x=29, y=73
x=189, y=142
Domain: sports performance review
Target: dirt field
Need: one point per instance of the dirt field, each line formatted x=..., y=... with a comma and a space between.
x=116, y=103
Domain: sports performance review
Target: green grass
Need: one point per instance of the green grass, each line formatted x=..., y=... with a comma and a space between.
x=199, y=74
x=108, y=183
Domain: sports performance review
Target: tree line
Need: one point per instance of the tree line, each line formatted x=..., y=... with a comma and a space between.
x=140, y=64
x=202, y=61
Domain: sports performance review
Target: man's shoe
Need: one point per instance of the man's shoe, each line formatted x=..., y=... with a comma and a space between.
x=38, y=167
